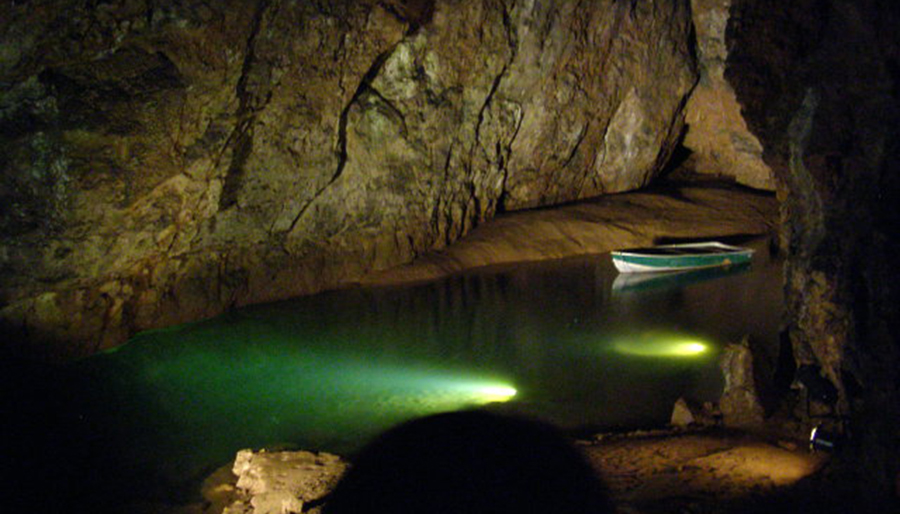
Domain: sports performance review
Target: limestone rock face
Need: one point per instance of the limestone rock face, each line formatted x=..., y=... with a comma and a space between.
x=681, y=414
x=162, y=163
x=717, y=133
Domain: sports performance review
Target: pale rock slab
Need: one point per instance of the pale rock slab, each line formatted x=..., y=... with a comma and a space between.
x=740, y=404
x=282, y=482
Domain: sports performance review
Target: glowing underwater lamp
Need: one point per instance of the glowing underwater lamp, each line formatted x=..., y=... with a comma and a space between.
x=497, y=393
x=652, y=345
x=689, y=348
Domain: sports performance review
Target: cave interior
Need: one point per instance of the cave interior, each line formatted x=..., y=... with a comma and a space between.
x=167, y=162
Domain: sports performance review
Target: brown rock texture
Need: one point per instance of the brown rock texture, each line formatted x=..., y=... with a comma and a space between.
x=818, y=81
x=164, y=162
x=283, y=481
x=717, y=135
x=706, y=471
x=740, y=403
x=595, y=226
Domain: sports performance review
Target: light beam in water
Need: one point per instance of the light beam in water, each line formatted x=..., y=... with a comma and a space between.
x=661, y=345
x=483, y=393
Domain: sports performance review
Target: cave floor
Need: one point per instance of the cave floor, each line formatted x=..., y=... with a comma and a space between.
x=712, y=471
x=707, y=470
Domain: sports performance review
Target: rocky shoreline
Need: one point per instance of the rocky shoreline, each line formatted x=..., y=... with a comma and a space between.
x=697, y=469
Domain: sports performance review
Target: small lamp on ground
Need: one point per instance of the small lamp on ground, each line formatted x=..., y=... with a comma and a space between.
x=822, y=440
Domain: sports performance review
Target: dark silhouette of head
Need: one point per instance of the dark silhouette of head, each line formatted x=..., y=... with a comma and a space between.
x=470, y=462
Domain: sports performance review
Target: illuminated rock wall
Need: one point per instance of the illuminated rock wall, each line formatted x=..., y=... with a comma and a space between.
x=162, y=163
x=717, y=135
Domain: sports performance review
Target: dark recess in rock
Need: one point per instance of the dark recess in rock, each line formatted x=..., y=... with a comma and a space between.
x=817, y=83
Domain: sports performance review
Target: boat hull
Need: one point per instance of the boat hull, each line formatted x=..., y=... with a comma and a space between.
x=680, y=257
x=640, y=282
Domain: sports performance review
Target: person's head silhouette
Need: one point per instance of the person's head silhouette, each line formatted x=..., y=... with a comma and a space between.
x=470, y=462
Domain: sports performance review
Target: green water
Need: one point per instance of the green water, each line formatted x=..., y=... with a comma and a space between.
x=330, y=371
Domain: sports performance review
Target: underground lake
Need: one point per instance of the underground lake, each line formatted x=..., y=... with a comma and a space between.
x=568, y=341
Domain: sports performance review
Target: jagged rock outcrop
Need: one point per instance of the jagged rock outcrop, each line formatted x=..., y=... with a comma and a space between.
x=717, y=135
x=740, y=403
x=164, y=162
x=818, y=82
x=283, y=482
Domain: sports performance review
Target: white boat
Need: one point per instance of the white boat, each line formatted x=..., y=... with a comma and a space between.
x=677, y=257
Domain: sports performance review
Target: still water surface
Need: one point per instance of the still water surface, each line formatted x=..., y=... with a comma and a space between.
x=563, y=341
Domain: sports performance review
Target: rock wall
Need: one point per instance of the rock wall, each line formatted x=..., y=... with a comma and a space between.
x=164, y=162
x=818, y=82
x=717, y=135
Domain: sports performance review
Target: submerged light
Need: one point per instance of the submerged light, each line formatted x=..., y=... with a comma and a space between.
x=661, y=345
x=496, y=393
x=688, y=348
x=476, y=392
x=419, y=392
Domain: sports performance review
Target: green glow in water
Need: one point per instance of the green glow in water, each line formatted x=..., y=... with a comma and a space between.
x=661, y=345
x=332, y=371
x=197, y=395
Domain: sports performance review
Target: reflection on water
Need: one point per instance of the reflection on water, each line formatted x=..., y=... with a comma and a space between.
x=634, y=282
x=330, y=371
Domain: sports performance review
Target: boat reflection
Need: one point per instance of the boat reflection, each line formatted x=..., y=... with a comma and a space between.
x=640, y=282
